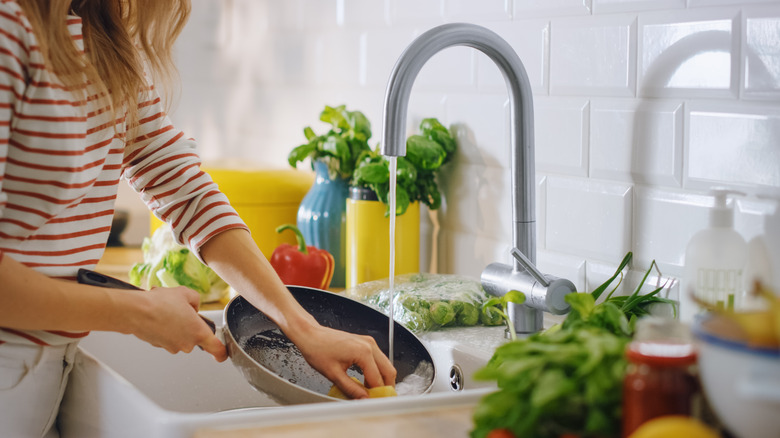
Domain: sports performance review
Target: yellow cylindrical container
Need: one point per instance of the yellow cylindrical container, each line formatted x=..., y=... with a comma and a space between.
x=368, y=239
x=263, y=198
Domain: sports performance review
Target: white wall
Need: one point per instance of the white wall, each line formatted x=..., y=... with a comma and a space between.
x=640, y=107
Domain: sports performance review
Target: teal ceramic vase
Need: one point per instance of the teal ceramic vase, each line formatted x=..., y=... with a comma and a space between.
x=322, y=218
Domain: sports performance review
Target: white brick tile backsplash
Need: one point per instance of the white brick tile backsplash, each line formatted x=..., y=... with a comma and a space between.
x=594, y=56
x=734, y=145
x=362, y=14
x=637, y=141
x=676, y=49
x=485, y=10
x=452, y=68
x=612, y=6
x=640, y=107
x=403, y=12
x=664, y=222
x=483, y=128
x=761, y=53
x=554, y=8
x=379, y=52
x=561, y=132
x=479, y=200
x=531, y=41
x=588, y=217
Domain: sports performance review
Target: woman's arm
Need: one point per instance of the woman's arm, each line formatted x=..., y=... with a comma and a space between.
x=236, y=258
x=164, y=317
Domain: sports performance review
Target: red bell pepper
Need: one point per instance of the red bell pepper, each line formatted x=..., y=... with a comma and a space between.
x=302, y=265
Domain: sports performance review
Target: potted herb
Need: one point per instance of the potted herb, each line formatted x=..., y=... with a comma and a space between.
x=368, y=212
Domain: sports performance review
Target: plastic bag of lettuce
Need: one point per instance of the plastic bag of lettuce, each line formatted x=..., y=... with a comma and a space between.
x=168, y=264
x=425, y=302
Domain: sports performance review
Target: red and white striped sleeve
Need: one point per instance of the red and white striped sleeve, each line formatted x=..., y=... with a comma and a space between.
x=164, y=168
x=14, y=56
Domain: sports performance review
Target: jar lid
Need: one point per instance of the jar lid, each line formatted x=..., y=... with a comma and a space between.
x=662, y=354
x=362, y=194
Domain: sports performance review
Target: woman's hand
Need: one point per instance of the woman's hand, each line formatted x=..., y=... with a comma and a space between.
x=235, y=257
x=332, y=352
x=170, y=320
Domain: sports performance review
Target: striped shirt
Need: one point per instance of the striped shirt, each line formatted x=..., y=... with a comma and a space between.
x=61, y=160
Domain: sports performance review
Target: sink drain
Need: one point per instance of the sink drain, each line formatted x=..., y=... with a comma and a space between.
x=456, y=378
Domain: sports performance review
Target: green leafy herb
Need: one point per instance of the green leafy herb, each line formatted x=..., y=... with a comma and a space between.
x=568, y=378
x=416, y=172
x=500, y=306
x=340, y=147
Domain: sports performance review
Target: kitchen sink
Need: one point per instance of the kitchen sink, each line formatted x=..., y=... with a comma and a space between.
x=123, y=387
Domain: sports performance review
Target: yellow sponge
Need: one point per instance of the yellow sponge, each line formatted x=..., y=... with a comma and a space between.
x=376, y=392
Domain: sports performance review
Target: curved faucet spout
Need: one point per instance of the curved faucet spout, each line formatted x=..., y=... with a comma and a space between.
x=523, y=181
x=521, y=112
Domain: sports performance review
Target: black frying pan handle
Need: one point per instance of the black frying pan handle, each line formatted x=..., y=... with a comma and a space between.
x=92, y=278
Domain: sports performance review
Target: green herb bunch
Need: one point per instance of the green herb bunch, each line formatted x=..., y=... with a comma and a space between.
x=340, y=147
x=416, y=172
x=567, y=379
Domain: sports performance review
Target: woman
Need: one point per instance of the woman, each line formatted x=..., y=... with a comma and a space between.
x=72, y=124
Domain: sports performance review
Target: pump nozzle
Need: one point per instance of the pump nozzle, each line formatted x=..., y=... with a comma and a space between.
x=722, y=214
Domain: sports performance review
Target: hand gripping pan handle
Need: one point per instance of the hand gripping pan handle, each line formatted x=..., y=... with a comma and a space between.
x=92, y=278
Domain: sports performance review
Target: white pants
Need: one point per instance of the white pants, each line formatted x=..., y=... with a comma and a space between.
x=32, y=383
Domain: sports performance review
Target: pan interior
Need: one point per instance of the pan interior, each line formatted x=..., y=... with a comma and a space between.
x=264, y=342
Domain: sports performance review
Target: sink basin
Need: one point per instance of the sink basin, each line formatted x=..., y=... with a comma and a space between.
x=123, y=387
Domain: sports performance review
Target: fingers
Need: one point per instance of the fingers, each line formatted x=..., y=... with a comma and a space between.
x=377, y=369
x=214, y=347
x=349, y=387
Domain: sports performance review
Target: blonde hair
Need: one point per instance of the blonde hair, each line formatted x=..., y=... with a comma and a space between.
x=122, y=38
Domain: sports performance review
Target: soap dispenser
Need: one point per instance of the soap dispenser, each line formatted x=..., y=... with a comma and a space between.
x=714, y=261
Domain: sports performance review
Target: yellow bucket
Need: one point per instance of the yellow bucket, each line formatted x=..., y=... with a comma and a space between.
x=368, y=240
x=263, y=198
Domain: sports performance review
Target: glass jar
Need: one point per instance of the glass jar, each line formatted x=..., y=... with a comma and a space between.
x=661, y=378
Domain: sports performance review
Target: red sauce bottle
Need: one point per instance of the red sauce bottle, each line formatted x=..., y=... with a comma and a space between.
x=661, y=378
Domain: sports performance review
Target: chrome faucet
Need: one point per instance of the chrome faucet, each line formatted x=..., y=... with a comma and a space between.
x=543, y=292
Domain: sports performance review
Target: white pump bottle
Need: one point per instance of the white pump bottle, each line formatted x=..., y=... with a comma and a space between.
x=714, y=261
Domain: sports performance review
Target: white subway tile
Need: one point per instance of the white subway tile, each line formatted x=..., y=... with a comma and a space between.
x=379, y=50
x=565, y=266
x=451, y=68
x=593, y=56
x=689, y=54
x=734, y=144
x=286, y=15
x=484, y=10
x=753, y=216
x=697, y=3
x=318, y=14
x=481, y=251
x=478, y=201
x=551, y=8
x=588, y=218
x=362, y=14
x=612, y=6
x=664, y=222
x=482, y=128
x=761, y=52
x=541, y=212
x=531, y=41
x=561, y=135
x=402, y=12
x=638, y=141
x=337, y=58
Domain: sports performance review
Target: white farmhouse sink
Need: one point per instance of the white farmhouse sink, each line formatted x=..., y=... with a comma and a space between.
x=124, y=387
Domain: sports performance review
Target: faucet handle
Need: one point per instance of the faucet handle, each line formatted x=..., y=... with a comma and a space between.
x=529, y=266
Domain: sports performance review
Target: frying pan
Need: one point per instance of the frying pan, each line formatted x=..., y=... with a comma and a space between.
x=272, y=364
